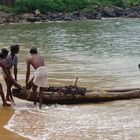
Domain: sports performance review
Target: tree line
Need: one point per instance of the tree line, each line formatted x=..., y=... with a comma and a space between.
x=44, y=6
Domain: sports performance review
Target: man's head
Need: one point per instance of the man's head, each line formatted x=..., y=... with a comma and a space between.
x=4, y=52
x=14, y=49
x=1, y=55
x=139, y=66
x=33, y=50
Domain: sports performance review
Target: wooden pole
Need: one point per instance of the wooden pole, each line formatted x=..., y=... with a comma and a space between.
x=75, y=84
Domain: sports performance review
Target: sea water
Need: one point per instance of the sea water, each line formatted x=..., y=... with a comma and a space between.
x=114, y=120
x=104, y=54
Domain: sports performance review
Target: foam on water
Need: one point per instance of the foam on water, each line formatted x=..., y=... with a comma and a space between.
x=114, y=120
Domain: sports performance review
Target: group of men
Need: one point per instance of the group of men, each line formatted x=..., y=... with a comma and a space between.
x=8, y=64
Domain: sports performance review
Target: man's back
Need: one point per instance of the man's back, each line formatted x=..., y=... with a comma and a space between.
x=36, y=61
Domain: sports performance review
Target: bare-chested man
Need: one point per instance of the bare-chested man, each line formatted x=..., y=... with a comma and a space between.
x=10, y=79
x=40, y=77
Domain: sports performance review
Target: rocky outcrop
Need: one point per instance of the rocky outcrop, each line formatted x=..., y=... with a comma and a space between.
x=111, y=11
x=107, y=12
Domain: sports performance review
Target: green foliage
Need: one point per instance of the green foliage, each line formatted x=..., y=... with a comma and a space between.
x=120, y=3
x=49, y=5
x=28, y=5
x=24, y=6
x=108, y=2
x=134, y=2
x=6, y=9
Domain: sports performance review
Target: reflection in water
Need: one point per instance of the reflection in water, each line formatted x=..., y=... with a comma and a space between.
x=104, y=54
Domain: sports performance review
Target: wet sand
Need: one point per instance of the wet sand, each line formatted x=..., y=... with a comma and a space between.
x=5, y=115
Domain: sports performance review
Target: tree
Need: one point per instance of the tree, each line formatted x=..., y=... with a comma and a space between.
x=7, y=2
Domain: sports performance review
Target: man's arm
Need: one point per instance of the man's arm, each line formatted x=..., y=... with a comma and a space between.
x=9, y=77
x=27, y=72
x=15, y=72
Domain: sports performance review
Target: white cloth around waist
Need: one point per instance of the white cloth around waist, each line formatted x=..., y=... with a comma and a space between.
x=41, y=76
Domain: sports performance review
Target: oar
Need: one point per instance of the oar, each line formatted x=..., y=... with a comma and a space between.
x=75, y=84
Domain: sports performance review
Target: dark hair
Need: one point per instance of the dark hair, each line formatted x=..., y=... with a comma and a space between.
x=4, y=52
x=33, y=50
x=14, y=48
x=139, y=66
x=1, y=55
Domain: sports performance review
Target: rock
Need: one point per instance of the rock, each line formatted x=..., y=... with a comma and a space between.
x=30, y=17
x=108, y=11
x=133, y=15
x=119, y=11
x=90, y=15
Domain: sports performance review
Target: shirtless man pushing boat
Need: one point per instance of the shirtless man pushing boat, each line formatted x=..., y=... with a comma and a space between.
x=10, y=79
x=40, y=77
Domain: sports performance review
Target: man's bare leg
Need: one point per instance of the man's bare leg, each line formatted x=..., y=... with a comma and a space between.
x=34, y=88
x=30, y=84
x=8, y=89
x=9, y=96
x=40, y=97
x=3, y=97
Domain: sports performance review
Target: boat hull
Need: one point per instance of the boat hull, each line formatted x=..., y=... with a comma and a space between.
x=95, y=96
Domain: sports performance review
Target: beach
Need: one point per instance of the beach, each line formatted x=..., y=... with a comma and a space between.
x=5, y=115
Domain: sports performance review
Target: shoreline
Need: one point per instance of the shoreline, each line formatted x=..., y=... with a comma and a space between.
x=90, y=14
x=5, y=115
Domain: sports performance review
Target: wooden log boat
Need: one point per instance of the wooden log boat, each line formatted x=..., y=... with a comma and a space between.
x=93, y=96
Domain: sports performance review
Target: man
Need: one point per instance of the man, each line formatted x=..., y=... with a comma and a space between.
x=12, y=60
x=139, y=66
x=40, y=77
x=4, y=53
x=3, y=97
x=11, y=64
x=9, y=78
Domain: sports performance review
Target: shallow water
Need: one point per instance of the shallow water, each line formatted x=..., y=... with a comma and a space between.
x=114, y=120
x=104, y=54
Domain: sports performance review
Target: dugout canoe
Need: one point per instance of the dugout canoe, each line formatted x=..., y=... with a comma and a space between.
x=94, y=96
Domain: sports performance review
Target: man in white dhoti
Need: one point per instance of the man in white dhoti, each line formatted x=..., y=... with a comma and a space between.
x=40, y=77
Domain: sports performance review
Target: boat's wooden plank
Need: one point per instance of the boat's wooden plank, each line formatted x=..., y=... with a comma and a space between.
x=94, y=96
x=121, y=90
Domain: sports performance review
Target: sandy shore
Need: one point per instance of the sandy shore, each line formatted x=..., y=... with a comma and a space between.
x=5, y=115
